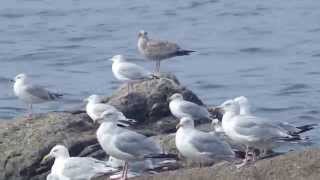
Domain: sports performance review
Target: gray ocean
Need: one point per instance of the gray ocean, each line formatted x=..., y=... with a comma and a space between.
x=268, y=51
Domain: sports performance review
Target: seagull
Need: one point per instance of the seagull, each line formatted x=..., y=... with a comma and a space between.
x=129, y=72
x=250, y=130
x=125, y=144
x=291, y=129
x=181, y=108
x=157, y=50
x=76, y=168
x=245, y=110
x=200, y=146
x=30, y=93
x=95, y=108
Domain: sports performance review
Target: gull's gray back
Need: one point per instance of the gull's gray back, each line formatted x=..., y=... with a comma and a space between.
x=132, y=71
x=40, y=92
x=136, y=144
x=209, y=143
x=82, y=168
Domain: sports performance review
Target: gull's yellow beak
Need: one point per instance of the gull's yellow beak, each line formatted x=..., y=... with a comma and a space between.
x=178, y=126
x=45, y=158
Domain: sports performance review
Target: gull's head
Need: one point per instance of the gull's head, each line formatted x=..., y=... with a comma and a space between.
x=242, y=100
x=244, y=104
x=142, y=34
x=117, y=58
x=185, y=122
x=21, y=78
x=56, y=152
x=176, y=96
x=230, y=106
x=93, y=99
x=110, y=116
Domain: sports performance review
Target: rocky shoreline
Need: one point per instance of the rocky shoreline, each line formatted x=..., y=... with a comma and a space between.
x=25, y=142
x=294, y=166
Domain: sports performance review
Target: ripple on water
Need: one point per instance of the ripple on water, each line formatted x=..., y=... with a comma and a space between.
x=278, y=109
x=196, y=4
x=292, y=89
x=5, y=80
x=254, y=72
x=240, y=14
x=313, y=73
x=207, y=86
x=313, y=112
x=308, y=117
x=36, y=56
x=256, y=50
x=316, y=55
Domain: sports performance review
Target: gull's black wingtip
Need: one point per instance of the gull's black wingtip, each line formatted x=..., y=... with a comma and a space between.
x=184, y=52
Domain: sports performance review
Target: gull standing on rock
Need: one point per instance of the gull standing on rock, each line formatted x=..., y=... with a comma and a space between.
x=181, y=108
x=245, y=110
x=249, y=130
x=291, y=129
x=129, y=72
x=158, y=50
x=200, y=146
x=30, y=93
x=125, y=144
x=95, y=108
x=75, y=168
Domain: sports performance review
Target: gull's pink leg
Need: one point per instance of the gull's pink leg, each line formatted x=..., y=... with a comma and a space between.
x=29, y=116
x=128, y=88
x=246, y=159
x=125, y=171
x=157, y=67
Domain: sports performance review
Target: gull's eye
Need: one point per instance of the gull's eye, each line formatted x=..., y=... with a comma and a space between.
x=55, y=150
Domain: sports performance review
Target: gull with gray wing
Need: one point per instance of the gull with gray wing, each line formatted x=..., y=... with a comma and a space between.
x=200, y=146
x=95, y=108
x=75, y=168
x=181, y=108
x=125, y=144
x=129, y=72
x=31, y=93
x=251, y=131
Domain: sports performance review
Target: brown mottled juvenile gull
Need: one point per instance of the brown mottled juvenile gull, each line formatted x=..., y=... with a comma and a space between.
x=157, y=50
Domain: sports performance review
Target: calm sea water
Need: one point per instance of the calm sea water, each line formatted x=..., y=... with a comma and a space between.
x=268, y=51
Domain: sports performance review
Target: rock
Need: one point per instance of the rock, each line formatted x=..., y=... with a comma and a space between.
x=25, y=142
x=148, y=100
x=291, y=166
